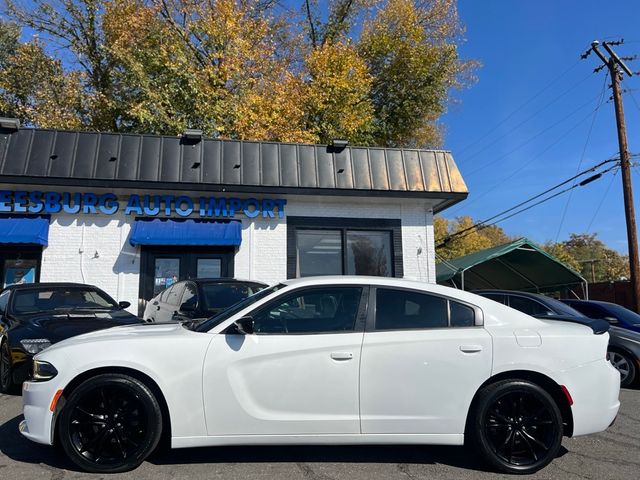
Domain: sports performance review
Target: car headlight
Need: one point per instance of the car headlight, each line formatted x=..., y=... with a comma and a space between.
x=35, y=345
x=43, y=371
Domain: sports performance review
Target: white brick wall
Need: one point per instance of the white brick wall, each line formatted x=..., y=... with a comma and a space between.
x=94, y=249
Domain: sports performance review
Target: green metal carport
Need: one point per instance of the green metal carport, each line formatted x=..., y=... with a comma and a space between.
x=519, y=265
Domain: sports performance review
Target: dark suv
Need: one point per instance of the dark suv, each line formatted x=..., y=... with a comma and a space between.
x=34, y=316
x=198, y=299
x=624, y=345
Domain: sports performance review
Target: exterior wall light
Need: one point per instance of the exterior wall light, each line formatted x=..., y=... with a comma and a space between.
x=339, y=143
x=9, y=123
x=192, y=134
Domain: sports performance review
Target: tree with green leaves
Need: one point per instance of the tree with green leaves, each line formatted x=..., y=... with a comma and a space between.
x=376, y=72
x=589, y=255
x=472, y=241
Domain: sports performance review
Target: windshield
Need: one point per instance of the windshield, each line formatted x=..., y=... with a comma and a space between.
x=60, y=299
x=228, y=313
x=624, y=313
x=220, y=296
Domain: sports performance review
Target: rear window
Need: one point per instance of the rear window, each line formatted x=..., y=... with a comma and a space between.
x=219, y=296
x=60, y=299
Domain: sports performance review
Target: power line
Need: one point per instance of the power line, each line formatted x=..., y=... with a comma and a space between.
x=562, y=137
x=595, y=214
x=484, y=223
x=526, y=142
x=533, y=115
x=633, y=98
x=584, y=150
x=517, y=109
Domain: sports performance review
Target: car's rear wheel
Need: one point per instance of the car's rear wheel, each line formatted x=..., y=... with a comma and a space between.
x=6, y=373
x=110, y=423
x=625, y=364
x=517, y=426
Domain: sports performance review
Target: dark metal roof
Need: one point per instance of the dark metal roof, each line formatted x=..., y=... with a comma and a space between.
x=40, y=156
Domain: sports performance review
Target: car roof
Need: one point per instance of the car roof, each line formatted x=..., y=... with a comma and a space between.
x=224, y=280
x=37, y=286
x=537, y=296
x=364, y=280
x=597, y=302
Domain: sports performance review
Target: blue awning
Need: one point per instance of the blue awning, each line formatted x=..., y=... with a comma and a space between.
x=185, y=232
x=18, y=229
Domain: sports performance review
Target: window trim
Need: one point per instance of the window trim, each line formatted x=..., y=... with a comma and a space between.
x=8, y=295
x=372, y=311
x=358, y=326
x=344, y=224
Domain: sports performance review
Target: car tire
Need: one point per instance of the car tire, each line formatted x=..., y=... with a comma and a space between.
x=6, y=371
x=516, y=426
x=110, y=423
x=625, y=364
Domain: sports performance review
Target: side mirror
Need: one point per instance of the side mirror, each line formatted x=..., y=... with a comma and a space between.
x=244, y=325
x=612, y=320
x=124, y=305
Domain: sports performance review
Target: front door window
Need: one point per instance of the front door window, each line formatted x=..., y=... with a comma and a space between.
x=321, y=310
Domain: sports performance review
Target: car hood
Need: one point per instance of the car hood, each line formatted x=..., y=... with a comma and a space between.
x=59, y=326
x=129, y=332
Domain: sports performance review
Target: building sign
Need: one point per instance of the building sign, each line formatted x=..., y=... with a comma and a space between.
x=139, y=205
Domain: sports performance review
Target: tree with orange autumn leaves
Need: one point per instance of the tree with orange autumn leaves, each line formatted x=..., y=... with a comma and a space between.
x=375, y=72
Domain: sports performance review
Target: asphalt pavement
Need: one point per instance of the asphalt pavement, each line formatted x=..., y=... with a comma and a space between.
x=614, y=454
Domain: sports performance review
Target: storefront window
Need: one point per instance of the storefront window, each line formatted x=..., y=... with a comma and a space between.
x=209, y=268
x=319, y=252
x=369, y=253
x=344, y=251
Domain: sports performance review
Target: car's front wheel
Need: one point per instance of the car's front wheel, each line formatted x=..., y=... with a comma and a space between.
x=625, y=364
x=110, y=423
x=517, y=426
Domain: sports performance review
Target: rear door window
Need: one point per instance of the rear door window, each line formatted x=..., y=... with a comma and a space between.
x=404, y=309
x=496, y=297
x=219, y=296
x=528, y=306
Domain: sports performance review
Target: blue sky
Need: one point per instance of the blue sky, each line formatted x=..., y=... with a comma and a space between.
x=512, y=142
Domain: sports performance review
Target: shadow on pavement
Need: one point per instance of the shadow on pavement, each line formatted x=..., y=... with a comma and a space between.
x=19, y=449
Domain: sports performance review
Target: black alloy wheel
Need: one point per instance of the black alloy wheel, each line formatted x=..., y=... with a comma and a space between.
x=6, y=375
x=517, y=426
x=625, y=364
x=110, y=424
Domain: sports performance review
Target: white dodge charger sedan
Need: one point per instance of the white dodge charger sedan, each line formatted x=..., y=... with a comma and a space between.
x=330, y=360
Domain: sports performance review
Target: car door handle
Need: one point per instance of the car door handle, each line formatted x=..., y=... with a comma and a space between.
x=470, y=348
x=342, y=355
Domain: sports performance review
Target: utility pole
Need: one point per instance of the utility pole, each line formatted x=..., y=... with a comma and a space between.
x=616, y=67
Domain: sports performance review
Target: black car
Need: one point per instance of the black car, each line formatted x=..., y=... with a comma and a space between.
x=34, y=316
x=624, y=345
x=198, y=298
x=615, y=314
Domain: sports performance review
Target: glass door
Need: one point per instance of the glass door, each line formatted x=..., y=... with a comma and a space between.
x=162, y=267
